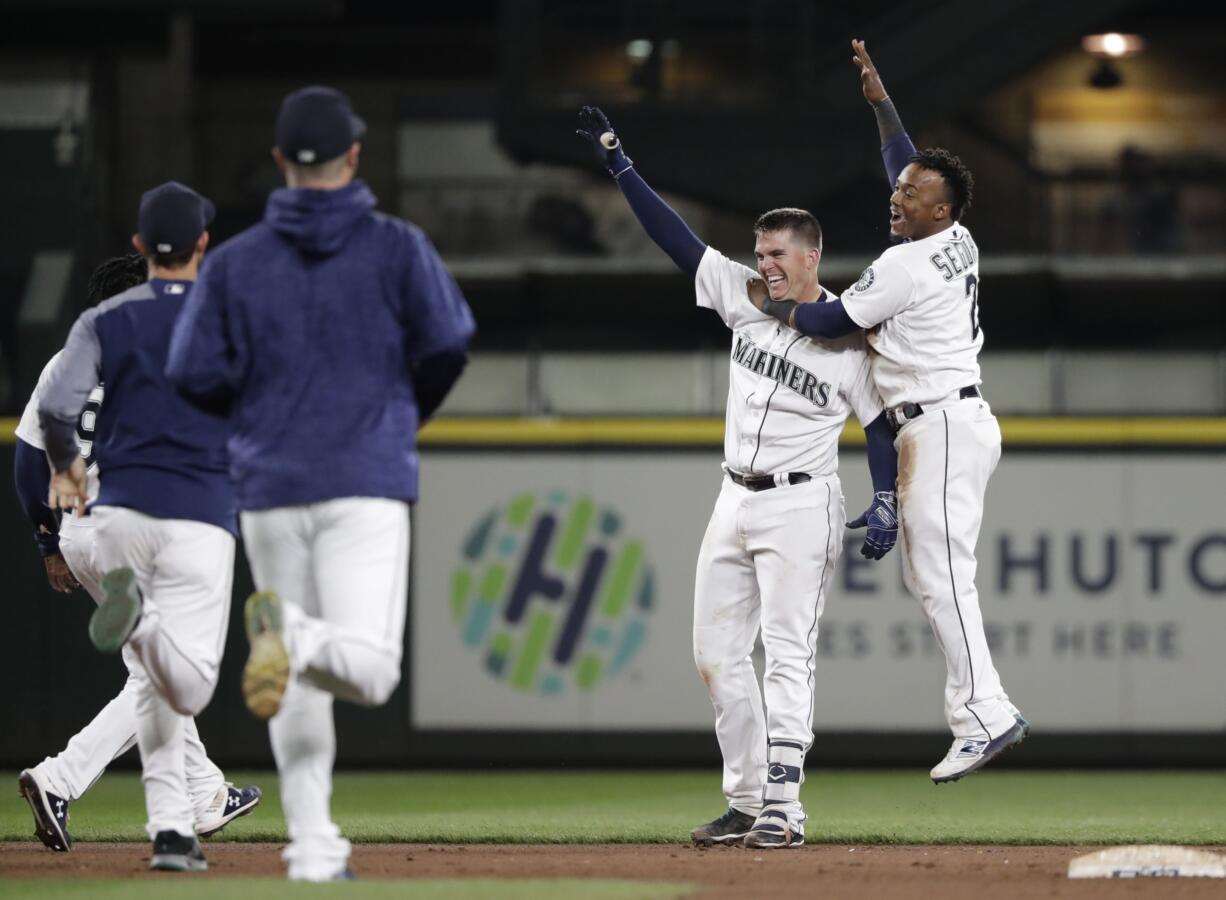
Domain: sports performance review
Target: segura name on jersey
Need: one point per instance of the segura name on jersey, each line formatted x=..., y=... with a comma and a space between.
x=748, y=355
x=955, y=257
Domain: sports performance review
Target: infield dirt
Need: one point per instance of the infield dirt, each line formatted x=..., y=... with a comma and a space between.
x=860, y=871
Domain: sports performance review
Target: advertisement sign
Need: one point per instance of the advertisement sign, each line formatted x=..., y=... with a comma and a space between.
x=554, y=590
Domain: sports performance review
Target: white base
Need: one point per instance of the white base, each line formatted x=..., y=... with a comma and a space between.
x=1148, y=861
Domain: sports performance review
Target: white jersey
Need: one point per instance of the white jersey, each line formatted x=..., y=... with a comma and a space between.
x=788, y=395
x=29, y=430
x=919, y=303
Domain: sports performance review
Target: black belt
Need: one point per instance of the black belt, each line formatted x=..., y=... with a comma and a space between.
x=766, y=482
x=914, y=410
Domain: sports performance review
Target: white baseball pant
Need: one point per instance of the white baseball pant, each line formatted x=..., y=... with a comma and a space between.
x=945, y=458
x=767, y=560
x=112, y=732
x=341, y=570
x=184, y=570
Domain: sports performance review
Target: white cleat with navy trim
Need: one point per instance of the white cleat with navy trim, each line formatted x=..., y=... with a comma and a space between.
x=968, y=755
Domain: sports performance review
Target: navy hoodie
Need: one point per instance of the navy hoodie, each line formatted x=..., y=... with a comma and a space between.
x=311, y=330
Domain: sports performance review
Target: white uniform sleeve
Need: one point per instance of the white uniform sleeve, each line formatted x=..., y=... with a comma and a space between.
x=859, y=390
x=28, y=428
x=885, y=289
x=720, y=285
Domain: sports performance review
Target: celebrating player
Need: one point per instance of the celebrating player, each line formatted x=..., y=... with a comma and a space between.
x=165, y=514
x=919, y=301
x=329, y=332
x=768, y=556
x=67, y=546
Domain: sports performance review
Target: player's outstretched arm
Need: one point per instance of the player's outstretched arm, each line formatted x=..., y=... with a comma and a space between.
x=821, y=320
x=881, y=517
x=658, y=219
x=896, y=146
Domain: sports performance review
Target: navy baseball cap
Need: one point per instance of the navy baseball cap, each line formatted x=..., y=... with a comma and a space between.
x=317, y=124
x=172, y=217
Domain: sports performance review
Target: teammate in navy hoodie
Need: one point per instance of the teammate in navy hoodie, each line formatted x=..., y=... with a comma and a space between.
x=328, y=333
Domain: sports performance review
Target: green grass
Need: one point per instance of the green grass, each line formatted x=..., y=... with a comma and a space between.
x=407, y=889
x=1009, y=807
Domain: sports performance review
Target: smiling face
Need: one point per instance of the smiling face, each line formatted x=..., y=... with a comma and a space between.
x=920, y=205
x=788, y=267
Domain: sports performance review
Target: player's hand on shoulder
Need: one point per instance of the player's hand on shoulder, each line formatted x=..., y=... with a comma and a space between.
x=594, y=127
x=881, y=519
x=59, y=576
x=870, y=81
x=758, y=292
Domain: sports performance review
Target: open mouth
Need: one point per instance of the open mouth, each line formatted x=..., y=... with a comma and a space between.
x=895, y=216
x=774, y=282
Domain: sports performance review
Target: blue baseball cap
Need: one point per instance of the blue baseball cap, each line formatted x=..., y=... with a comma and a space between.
x=172, y=217
x=317, y=124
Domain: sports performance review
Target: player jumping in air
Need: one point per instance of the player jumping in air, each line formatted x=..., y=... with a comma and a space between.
x=768, y=557
x=919, y=302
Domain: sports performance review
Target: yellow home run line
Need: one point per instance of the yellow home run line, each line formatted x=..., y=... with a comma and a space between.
x=709, y=432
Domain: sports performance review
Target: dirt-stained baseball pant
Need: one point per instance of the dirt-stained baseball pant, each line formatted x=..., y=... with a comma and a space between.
x=184, y=570
x=341, y=570
x=945, y=458
x=767, y=560
x=112, y=732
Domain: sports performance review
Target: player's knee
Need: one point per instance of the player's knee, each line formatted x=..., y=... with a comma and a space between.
x=192, y=699
x=382, y=678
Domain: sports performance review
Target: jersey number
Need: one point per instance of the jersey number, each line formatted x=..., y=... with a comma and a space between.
x=972, y=291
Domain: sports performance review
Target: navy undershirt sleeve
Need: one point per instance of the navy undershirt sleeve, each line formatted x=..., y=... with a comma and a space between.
x=896, y=153
x=882, y=457
x=433, y=378
x=662, y=223
x=828, y=320
x=32, y=476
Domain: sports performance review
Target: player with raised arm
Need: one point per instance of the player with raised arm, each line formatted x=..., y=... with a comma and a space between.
x=67, y=546
x=329, y=332
x=165, y=514
x=919, y=302
x=768, y=557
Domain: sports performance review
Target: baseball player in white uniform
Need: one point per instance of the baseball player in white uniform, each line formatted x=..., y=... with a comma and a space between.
x=919, y=303
x=52, y=785
x=768, y=557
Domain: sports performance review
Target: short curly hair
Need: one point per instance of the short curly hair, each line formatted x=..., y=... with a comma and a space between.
x=115, y=276
x=957, y=177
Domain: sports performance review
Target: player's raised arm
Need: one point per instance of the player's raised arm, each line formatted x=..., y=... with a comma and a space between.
x=896, y=146
x=658, y=219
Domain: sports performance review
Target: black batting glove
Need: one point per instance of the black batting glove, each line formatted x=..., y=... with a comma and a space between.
x=594, y=128
x=882, y=521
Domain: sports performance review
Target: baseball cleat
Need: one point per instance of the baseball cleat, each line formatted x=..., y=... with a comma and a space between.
x=229, y=803
x=50, y=812
x=775, y=830
x=730, y=828
x=116, y=616
x=967, y=755
x=174, y=852
x=267, y=671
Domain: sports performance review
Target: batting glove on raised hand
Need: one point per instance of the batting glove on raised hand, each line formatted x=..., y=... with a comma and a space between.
x=594, y=128
x=882, y=521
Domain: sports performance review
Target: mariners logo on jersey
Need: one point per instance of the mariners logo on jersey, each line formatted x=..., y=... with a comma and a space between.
x=786, y=372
